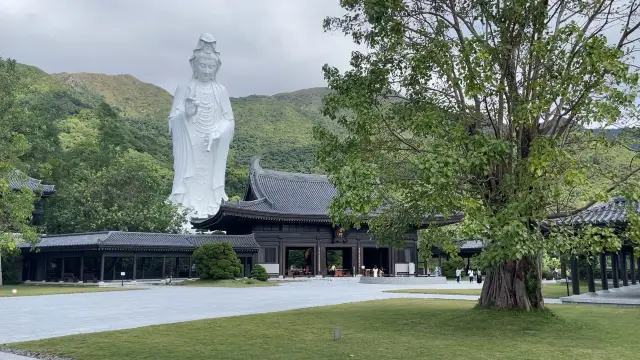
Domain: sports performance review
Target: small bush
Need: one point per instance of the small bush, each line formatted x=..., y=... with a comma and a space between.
x=248, y=281
x=259, y=273
x=217, y=261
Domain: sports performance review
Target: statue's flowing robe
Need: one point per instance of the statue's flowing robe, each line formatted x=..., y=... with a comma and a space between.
x=199, y=175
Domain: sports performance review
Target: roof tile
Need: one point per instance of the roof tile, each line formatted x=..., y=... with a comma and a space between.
x=151, y=240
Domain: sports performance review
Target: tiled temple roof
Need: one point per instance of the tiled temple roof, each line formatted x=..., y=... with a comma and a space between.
x=287, y=193
x=121, y=239
x=279, y=195
x=609, y=213
x=19, y=182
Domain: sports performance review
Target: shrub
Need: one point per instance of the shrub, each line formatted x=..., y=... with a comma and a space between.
x=259, y=273
x=449, y=266
x=216, y=261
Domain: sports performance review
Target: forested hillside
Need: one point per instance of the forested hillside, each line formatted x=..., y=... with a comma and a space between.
x=103, y=140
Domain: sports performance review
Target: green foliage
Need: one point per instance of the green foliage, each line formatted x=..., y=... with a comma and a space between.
x=297, y=259
x=259, y=273
x=86, y=133
x=11, y=269
x=441, y=116
x=128, y=194
x=78, y=130
x=450, y=266
x=217, y=261
x=16, y=206
x=549, y=263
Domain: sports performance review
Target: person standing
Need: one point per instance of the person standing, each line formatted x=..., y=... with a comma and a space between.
x=458, y=275
x=470, y=275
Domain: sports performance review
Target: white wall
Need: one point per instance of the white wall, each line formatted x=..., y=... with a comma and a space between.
x=271, y=268
x=402, y=268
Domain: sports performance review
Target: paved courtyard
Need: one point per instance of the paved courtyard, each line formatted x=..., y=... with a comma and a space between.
x=623, y=296
x=37, y=317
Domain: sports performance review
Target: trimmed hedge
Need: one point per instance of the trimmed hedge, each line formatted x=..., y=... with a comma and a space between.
x=259, y=273
x=217, y=261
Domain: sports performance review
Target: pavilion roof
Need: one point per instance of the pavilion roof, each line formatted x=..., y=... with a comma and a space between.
x=282, y=196
x=610, y=213
x=138, y=240
x=18, y=181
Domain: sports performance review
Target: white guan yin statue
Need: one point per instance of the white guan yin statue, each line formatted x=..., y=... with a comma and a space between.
x=201, y=125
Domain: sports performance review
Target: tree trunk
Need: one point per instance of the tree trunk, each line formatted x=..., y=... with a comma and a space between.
x=516, y=284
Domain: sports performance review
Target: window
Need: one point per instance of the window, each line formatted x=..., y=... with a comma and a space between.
x=267, y=255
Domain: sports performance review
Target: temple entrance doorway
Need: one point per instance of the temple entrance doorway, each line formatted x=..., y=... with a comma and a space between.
x=299, y=261
x=339, y=261
x=375, y=257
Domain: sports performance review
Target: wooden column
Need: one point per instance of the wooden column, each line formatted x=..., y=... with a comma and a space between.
x=62, y=270
x=281, y=257
x=614, y=270
x=575, y=276
x=164, y=260
x=135, y=265
x=354, y=260
x=102, y=267
x=190, y=265
x=416, y=259
x=82, y=268
x=603, y=271
x=563, y=269
x=632, y=264
x=623, y=268
x=322, y=263
x=590, y=281
x=392, y=261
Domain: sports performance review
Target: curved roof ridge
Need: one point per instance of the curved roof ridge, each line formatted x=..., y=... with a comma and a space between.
x=141, y=232
x=79, y=234
x=256, y=169
x=19, y=180
x=250, y=202
x=223, y=235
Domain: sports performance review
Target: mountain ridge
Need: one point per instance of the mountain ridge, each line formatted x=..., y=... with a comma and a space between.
x=278, y=128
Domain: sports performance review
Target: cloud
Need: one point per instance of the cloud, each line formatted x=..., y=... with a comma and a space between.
x=266, y=46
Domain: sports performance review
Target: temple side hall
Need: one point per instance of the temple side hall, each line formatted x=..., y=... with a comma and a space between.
x=104, y=256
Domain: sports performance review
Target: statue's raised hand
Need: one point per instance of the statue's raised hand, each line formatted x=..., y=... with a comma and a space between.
x=190, y=107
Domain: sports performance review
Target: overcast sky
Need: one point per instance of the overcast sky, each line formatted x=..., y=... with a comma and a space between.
x=266, y=46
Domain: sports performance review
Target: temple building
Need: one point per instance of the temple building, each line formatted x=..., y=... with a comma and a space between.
x=282, y=223
x=105, y=256
x=18, y=182
x=287, y=213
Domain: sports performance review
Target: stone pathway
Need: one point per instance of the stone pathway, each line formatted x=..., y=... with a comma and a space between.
x=7, y=356
x=39, y=317
x=622, y=296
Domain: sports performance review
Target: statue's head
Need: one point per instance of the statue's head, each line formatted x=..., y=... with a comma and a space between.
x=205, y=61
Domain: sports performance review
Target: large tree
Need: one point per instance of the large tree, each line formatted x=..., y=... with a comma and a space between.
x=16, y=205
x=480, y=108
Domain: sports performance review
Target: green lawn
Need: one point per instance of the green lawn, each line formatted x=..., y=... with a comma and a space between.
x=32, y=290
x=549, y=291
x=384, y=329
x=227, y=283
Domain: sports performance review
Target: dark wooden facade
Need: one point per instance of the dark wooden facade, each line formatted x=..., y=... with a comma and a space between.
x=103, y=256
x=289, y=212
